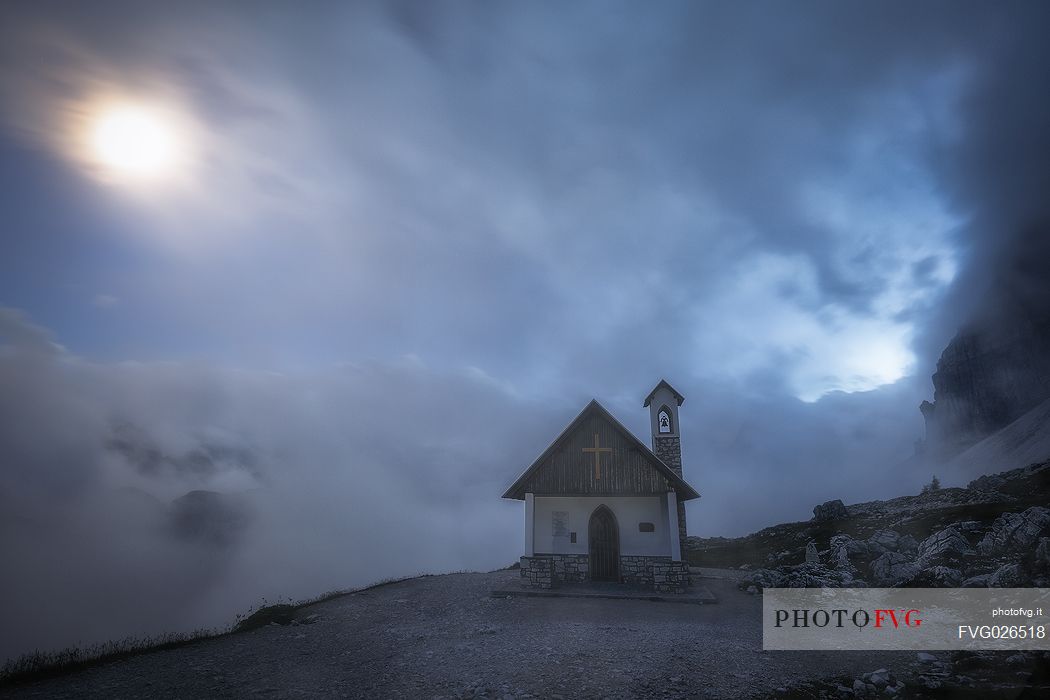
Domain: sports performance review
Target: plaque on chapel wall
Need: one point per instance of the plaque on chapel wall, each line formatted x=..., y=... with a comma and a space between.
x=560, y=523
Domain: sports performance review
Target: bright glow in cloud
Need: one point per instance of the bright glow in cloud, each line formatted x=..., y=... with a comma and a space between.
x=776, y=321
x=135, y=141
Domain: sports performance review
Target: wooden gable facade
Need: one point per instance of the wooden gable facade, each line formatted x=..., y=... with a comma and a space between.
x=596, y=455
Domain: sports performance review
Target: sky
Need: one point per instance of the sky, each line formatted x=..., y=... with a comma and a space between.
x=391, y=249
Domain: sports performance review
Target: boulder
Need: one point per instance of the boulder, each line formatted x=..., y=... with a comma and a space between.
x=935, y=577
x=1015, y=531
x=1008, y=576
x=883, y=541
x=907, y=545
x=988, y=482
x=979, y=581
x=881, y=678
x=801, y=576
x=1042, y=552
x=762, y=579
x=948, y=545
x=853, y=547
x=892, y=568
x=1016, y=660
x=830, y=510
x=817, y=576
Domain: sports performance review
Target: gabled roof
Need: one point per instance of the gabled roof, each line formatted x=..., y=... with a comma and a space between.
x=663, y=383
x=682, y=488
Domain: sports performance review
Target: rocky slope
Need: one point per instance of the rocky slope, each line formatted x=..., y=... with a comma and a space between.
x=1024, y=441
x=986, y=378
x=994, y=532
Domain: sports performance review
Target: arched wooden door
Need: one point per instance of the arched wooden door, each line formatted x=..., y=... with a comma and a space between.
x=603, y=538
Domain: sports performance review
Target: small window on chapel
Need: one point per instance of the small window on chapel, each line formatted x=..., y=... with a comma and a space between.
x=646, y=527
x=664, y=419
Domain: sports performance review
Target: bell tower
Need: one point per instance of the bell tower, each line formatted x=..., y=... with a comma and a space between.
x=663, y=402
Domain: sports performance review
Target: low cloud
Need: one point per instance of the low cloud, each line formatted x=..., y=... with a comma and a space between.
x=146, y=497
x=327, y=481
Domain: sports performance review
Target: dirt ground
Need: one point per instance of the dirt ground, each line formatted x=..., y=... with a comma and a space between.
x=446, y=636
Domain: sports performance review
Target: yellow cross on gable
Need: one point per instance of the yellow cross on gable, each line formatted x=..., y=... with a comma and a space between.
x=597, y=456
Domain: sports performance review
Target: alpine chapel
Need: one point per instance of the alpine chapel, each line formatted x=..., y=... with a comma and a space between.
x=601, y=506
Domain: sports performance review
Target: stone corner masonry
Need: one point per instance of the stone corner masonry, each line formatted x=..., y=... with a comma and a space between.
x=661, y=573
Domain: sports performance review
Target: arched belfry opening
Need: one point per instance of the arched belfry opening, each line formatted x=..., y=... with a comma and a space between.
x=603, y=538
x=665, y=421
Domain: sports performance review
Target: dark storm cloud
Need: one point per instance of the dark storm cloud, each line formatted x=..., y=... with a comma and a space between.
x=996, y=171
x=548, y=174
x=529, y=205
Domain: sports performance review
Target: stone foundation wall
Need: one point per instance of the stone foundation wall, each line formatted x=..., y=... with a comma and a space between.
x=670, y=576
x=638, y=570
x=661, y=573
x=571, y=568
x=548, y=570
x=537, y=571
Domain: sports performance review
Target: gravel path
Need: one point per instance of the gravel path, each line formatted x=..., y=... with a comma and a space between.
x=446, y=636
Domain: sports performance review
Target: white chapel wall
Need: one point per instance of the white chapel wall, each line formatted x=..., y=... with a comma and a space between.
x=629, y=512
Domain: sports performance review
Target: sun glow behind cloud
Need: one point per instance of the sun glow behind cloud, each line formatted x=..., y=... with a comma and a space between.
x=247, y=156
x=136, y=141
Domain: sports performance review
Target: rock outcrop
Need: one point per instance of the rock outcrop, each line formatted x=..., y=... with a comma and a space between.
x=801, y=576
x=1013, y=551
x=1007, y=576
x=935, y=577
x=1015, y=531
x=1042, y=552
x=884, y=541
x=891, y=568
x=986, y=378
x=831, y=510
x=970, y=537
x=946, y=546
x=974, y=538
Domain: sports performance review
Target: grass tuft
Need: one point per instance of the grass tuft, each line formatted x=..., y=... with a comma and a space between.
x=39, y=665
